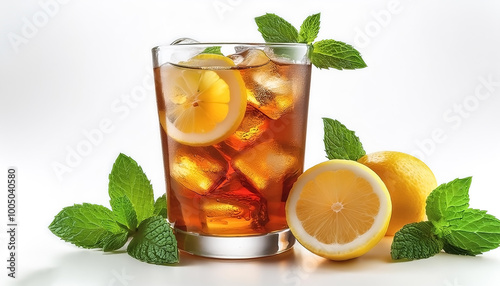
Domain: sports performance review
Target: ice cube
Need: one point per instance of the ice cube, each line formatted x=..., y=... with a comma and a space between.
x=233, y=209
x=249, y=58
x=252, y=127
x=267, y=166
x=269, y=90
x=200, y=169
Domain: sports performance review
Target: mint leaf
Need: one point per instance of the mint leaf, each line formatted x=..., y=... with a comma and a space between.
x=85, y=225
x=333, y=54
x=128, y=179
x=115, y=241
x=448, y=201
x=415, y=241
x=216, y=50
x=275, y=29
x=124, y=212
x=154, y=242
x=340, y=142
x=309, y=29
x=476, y=232
x=161, y=206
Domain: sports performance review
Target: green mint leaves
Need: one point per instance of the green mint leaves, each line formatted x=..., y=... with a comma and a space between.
x=134, y=213
x=340, y=142
x=452, y=226
x=324, y=54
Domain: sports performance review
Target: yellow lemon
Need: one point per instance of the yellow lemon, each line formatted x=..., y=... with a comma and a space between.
x=204, y=105
x=409, y=181
x=338, y=209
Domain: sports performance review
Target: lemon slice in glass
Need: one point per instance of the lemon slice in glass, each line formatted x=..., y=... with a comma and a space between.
x=205, y=100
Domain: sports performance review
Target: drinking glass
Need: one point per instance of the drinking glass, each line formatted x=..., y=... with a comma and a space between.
x=232, y=120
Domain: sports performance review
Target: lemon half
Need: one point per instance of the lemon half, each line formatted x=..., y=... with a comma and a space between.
x=338, y=209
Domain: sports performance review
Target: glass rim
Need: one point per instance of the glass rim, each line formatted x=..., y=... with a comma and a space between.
x=250, y=44
x=297, y=52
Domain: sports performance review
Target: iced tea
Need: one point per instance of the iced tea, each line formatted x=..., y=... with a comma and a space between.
x=236, y=183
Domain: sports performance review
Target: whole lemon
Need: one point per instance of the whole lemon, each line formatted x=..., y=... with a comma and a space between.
x=409, y=181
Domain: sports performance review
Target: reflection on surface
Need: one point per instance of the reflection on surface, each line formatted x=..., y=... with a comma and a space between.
x=94, y=267
x=295, y=267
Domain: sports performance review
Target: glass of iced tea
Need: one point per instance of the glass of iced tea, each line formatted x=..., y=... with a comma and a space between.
x=233, y=122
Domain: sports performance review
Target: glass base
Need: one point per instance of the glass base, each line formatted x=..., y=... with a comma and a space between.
x=235, y=247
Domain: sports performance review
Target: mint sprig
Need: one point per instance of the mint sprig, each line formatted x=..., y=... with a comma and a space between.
x=452, y=226
x=324, y=54
x=134, y=214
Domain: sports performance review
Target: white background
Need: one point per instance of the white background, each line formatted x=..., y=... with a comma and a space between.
x=69, y=68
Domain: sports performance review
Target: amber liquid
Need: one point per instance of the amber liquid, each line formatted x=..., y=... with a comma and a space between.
x=239, y=186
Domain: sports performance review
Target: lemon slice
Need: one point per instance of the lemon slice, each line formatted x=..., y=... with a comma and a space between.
x=204, y=106
x=338, y=209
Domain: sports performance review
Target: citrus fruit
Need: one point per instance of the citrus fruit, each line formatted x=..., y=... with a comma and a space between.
x=409, y=181
x=338, y=209
x=203, y=106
